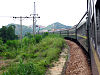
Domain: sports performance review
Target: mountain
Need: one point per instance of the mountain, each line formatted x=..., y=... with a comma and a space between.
x=29, y=29
x=56, y=25
x=25, y=29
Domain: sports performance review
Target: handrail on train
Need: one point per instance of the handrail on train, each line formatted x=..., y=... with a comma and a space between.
x=75, y=26
x=82, y=18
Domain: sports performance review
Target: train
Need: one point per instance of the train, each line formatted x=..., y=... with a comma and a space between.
x=87, y=34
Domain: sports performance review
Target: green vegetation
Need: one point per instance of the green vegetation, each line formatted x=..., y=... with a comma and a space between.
x=35, y=57
x=8, y=33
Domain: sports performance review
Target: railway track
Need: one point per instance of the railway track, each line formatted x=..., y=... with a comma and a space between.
x=77, y=63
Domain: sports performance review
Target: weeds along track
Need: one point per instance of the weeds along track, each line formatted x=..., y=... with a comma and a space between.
x=77, y=63
x=58, y=65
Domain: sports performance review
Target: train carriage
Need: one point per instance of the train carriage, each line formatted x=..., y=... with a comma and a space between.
x=95, y=37
x=82, y=35
x=72, y=33
x=87, y=33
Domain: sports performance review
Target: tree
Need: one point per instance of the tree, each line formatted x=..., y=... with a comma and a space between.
x=3, y=33
x=29, y=35
x=2, y=46
x=11, y=33
x=8, y=33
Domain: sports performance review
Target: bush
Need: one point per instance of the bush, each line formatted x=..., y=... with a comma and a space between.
x=45, y=34
x=32, y=41
x=13, y=44
x=25, y=56
x=3, y=47
x=38, y=38
x=9, y=55
x=24, y=69
x=29, y=35
x=27, y=41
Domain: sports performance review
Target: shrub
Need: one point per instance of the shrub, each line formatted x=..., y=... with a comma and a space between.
x=38, y=38
x=25, y=41
x=9, y=55
x=3, y=47
x=45, y=34
x=29, y=35
x=24, y=69
x=13, y=44
x=32, y=41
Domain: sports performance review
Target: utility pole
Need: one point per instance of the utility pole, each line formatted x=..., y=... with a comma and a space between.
x=34, y=22
x=34, y=19
x=21, y=28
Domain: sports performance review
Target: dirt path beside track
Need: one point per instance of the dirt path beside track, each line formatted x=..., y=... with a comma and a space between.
x=77, y=63
x=58, y=65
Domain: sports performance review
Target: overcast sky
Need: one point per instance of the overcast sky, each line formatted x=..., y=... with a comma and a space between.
x=67, y=12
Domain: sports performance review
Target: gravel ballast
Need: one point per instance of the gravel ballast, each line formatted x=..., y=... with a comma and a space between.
x=77, y=63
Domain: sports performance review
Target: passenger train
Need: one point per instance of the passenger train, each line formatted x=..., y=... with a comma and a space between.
x=87, y=33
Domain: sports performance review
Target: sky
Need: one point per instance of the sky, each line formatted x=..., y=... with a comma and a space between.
x=67, y=12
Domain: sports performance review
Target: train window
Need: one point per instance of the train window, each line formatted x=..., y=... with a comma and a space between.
x=98, y=26
x=93, y=31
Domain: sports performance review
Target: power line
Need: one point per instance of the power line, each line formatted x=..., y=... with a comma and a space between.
x=34, y=19
x=34, y=16
x=6, y=16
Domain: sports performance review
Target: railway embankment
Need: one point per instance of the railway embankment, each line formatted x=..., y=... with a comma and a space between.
x=77, y=63
x=58, y=66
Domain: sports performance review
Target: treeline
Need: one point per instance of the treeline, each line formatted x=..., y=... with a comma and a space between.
x=8, y=33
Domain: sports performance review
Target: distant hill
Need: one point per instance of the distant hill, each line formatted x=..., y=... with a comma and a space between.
x=56, y=25
x=29, y=29
x=25, y=29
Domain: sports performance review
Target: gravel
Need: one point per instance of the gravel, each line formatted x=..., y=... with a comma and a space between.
x=77, y=63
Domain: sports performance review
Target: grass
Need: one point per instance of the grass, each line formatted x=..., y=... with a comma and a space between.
x=23, y=69
x=35, y=56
